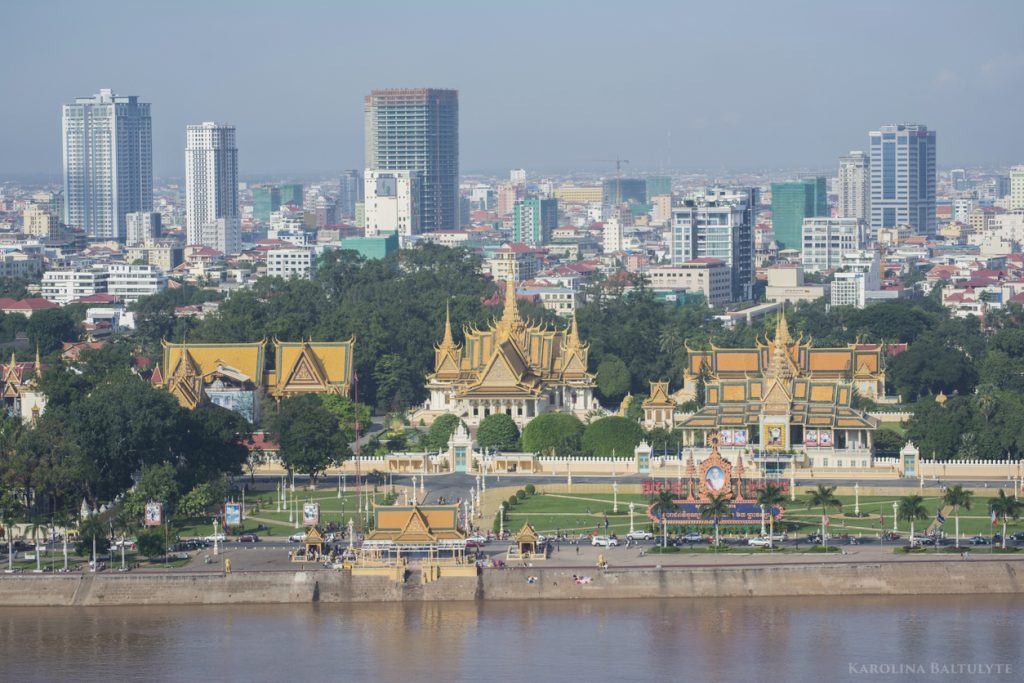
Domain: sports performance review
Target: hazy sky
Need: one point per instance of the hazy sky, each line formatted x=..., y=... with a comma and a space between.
x=545, y=85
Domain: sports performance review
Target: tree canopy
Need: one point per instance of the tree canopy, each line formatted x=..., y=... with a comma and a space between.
x=553, y=432
x=498, y=431
x=612, y=435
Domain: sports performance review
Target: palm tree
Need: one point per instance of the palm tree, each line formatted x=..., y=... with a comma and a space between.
x=910, y=509
x=36, y=529
x=823, y=497
x=669, y=340
x=959, y=498
x=10, y=509
x=1003, y=506
x=92, y=527
x=769, y=497
x=717, y=507
x=64, y=520
x=664, y=504
x=126, y=525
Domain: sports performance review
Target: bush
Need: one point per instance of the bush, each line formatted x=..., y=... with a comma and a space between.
x=666, y=549
x=151, y=543
x=530, y=489
x=498, y=431
x=440, y=432
x=610, y=435
x=552, y=432
x=512, y=500
x=520, y=494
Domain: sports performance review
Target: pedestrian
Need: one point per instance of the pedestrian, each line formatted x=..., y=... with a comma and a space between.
x=577, y=549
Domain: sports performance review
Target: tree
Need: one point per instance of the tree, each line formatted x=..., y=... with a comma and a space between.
x=195, y=503
x=769, y=497
x=49, y=328
x=703, y=377
x=612, y=435
x=1003, y=507
x=395, y=385
x=888, y=441
x=613, y=379
x=309, y=436
x=929, y=366
x=125, y=524
x=348, y=413
x=823, y=497
x=92, y=537
x=635, y=409
x=10, y=509
x=36, y=529
x=909, y=509
x=440, y=432
x=717, y=507
x=552, y=433
x=151, y=543
x=498, y=431
x=959, y=498
x=663, y=505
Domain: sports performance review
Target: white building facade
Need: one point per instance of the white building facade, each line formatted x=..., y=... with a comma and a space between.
x=291, y=263
x=825, y=240
x=853, y=186
x=142, y=226
x=902, y=169
x=212, y=216
x=391, y=202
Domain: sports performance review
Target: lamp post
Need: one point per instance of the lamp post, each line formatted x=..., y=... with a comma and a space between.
x=351, y=540
x=295, y=505
x=216, y=551
x=632, y=508
x=856, y=499
x=278, y=496
x=290, y=514
x=792, y=481
x=501, y=520
x=762, y=522
x=615, y=496
x=568, y=472
x=339, y=481
x=895, y=510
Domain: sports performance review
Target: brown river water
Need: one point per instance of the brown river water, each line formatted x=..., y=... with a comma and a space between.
x=774, y=640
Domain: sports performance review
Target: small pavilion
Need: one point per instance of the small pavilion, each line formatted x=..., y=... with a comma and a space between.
x=427, y=533
x=314, y=547
x=527, y=545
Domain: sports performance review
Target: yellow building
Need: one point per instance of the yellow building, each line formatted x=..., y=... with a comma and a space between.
x=785, y=400
x=234, y=375
x=514, y=367
x=571, y=194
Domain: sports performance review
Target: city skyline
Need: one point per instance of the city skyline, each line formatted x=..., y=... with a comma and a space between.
x=569, y=117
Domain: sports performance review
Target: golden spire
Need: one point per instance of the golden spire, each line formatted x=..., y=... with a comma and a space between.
x=782, y=329
x=780, y=366
x=448, y=340
x=510, y=320
x=573, y=335
x=39, y=370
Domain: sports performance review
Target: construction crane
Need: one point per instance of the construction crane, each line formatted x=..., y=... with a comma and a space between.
x=618, y=161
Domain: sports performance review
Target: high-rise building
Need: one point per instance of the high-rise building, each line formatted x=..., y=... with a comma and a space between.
x=350, y=192
x=903, y=178
x=658, y=185
x=718, y=224
x=108, y=162
x=418, y=130
x=853, y=186
x=619, y=190
x=38, y=221
x=292, y=193
x=508, y=194
x=825, y=240
x=392, y=202
x=791, y=204
x=143, y=226
x=534, y=219
x=517, y=176
x=1017, y=188
x=211, y=187
x=266, y=199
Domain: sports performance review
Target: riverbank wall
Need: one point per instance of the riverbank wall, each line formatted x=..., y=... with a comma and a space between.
x=783, y=580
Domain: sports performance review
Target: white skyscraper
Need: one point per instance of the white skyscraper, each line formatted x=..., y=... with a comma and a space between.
x=108, y=162
x=903, y=178
x=211, y=187
x=853, y=186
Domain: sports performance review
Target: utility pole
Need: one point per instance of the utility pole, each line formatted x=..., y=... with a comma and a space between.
x=358, y=458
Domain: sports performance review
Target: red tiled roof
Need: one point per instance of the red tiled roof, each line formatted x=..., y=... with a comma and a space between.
x=259, y=441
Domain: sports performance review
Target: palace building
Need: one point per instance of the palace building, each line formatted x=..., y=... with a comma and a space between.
x=784, y=400
x=22, y=396
x=514, y=367
x=234, y=376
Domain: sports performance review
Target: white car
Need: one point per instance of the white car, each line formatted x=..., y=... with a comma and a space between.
x=604, y=541
x=297, y=537
x=478, y=539
x=218, y=537
x=640, y=536
x=760, y=542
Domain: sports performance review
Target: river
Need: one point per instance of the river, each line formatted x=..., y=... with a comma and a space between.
x=764, y=639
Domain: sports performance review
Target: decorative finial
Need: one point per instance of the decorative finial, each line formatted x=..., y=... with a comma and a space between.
x=448, y=340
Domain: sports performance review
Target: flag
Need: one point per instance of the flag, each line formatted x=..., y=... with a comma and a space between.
x=881, y=520
x=939, y=518
x=995, y=520
x=824, y=520
x=606, y=521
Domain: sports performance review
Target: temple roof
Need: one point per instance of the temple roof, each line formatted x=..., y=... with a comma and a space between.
x=416, y=524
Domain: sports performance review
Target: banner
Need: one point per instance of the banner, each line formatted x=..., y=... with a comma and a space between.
x=232, y=514
x=153, y=514
x=739, y=437
x=310, y=514
x=811, y=437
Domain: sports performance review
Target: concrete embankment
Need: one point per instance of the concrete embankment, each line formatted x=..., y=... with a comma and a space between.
x=880, y=578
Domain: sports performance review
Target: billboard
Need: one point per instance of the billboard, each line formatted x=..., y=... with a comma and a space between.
x=153, y=514
x=232, y=514
x=310, y=514
x=739, y=437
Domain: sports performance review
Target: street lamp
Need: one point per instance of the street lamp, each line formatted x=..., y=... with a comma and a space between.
x=762, y=521
x=895, y=510
x=615, y=496
x=632, y=508
x=856, y=499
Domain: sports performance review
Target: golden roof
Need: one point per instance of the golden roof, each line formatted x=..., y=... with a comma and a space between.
x=247, y=358
x=312, y=367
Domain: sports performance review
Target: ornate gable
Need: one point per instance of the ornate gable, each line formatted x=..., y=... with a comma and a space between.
x=185, y=381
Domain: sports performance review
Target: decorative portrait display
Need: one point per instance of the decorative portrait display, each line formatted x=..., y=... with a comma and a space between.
x=739, y=437
x=825, y=437
x=726, y=438
x=153, y=514
x=775, y=436
x=811, y=437
x=232, y=514
x=715, y=477
x=310, y=514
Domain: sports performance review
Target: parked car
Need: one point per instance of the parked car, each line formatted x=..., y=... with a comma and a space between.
x=760, y=542
x=218, y=537
x=248, y=538
x=478, y=539
x=1019, y=536
x=639, y=535
x=297, y=537
x=977, y=540
x=692, y=537
x=814, y=538
x=921, y=540
x=604, y=541
x=128, y=543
